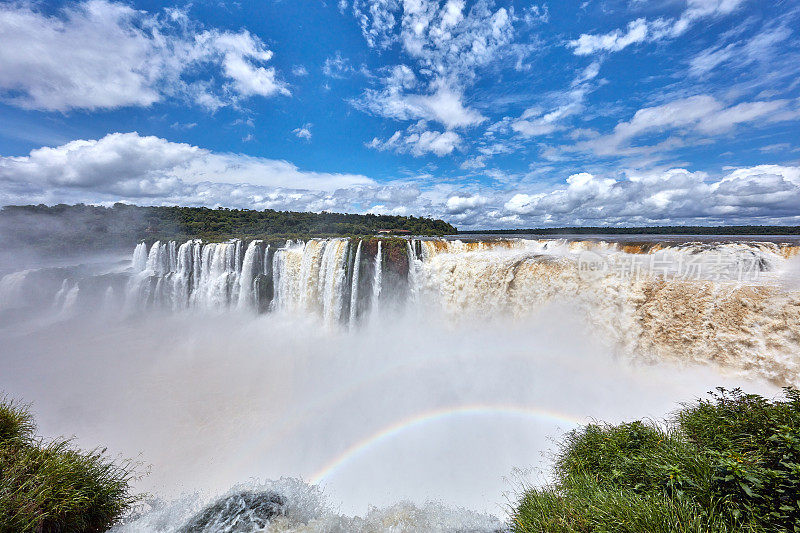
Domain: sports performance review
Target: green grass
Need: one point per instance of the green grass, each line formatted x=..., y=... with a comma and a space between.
x=49, y=487
x=729, y=463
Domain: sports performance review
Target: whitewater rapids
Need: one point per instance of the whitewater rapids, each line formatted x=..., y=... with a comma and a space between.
x=397, y=390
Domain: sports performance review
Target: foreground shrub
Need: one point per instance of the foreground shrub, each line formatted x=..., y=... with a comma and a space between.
x=730, y=463
x=53, y=487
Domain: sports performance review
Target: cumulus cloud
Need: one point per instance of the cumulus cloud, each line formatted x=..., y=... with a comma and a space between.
x=418, y=141
x=765, y=193
x=135, y=166
x=154, y=171
x=100, y=54
x=642, y=30
x=381, y=209
x=444, y=104
x=461, y=204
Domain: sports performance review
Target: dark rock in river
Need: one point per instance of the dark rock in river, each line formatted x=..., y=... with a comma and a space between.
x=243, y=512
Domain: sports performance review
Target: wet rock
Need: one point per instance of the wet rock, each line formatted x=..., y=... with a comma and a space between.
x=243, y=512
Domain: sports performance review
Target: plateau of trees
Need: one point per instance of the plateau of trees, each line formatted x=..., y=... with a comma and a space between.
x=61, y=227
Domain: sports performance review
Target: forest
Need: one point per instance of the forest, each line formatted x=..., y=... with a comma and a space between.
x=73, y=228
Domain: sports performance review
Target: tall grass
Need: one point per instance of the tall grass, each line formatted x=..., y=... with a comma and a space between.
x=49, y=487
x=729, y=463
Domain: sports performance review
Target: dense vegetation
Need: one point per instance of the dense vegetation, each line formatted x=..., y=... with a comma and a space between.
x=83, y=227
x=51, y=487
x=731, y=463
x=651, y=230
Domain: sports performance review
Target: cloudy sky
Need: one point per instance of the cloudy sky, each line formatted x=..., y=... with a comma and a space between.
x=487, y=114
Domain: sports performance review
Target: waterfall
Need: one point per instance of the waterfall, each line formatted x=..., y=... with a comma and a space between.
x=182, y=279
x=140, y=257
x=248, y=299
x=291, y=268
x=354, y=287
x=58, y=301
x=333, y=269
x=70, y=298
x=266, y=263
x=656, y=311
x=377, y=280
x=157, y=259
x=218, y=287
x=412, y=268
x=279, y=281
x=309, y=274
x=172, y=257
x=311, y=277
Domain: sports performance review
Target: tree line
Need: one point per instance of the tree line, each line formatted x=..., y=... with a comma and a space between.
x=79, y=227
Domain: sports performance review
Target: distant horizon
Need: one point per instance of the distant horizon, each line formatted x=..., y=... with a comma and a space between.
x=620, y=229
x=630, y=229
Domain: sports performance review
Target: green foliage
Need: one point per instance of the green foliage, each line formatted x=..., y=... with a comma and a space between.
x=53, y=487
x=16, y=423
x=83, y=227
x=730, y=463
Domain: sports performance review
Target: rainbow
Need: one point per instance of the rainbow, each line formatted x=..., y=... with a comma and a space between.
x=428, y=417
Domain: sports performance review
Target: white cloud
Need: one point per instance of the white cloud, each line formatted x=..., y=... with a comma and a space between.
x=698, y=116
x=377, y=19
x=613, y=41
x=708, y=60
x=381, y=209
x=299, y=71
x=642, y=30
x=777, y=147
x=535, y=122
x=444, y=105
x=446, y=43
x=418, y=141
x=100, y=54
x=241, y=56
x=303, y=132
x=461, y=204
x=131, y=165
x=473, y=163
x=761, y=193
x=337, y=66
x=532, y=123
x=536, y=14
x=154, y=171
x=761, y=48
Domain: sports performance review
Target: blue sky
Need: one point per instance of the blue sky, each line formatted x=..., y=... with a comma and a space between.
x=487, y=114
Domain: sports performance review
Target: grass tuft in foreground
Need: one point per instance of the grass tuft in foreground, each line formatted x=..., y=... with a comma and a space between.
x=730, y=463
x=49, y=487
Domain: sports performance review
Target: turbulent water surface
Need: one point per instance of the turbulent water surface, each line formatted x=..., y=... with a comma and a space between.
x=338, y=385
